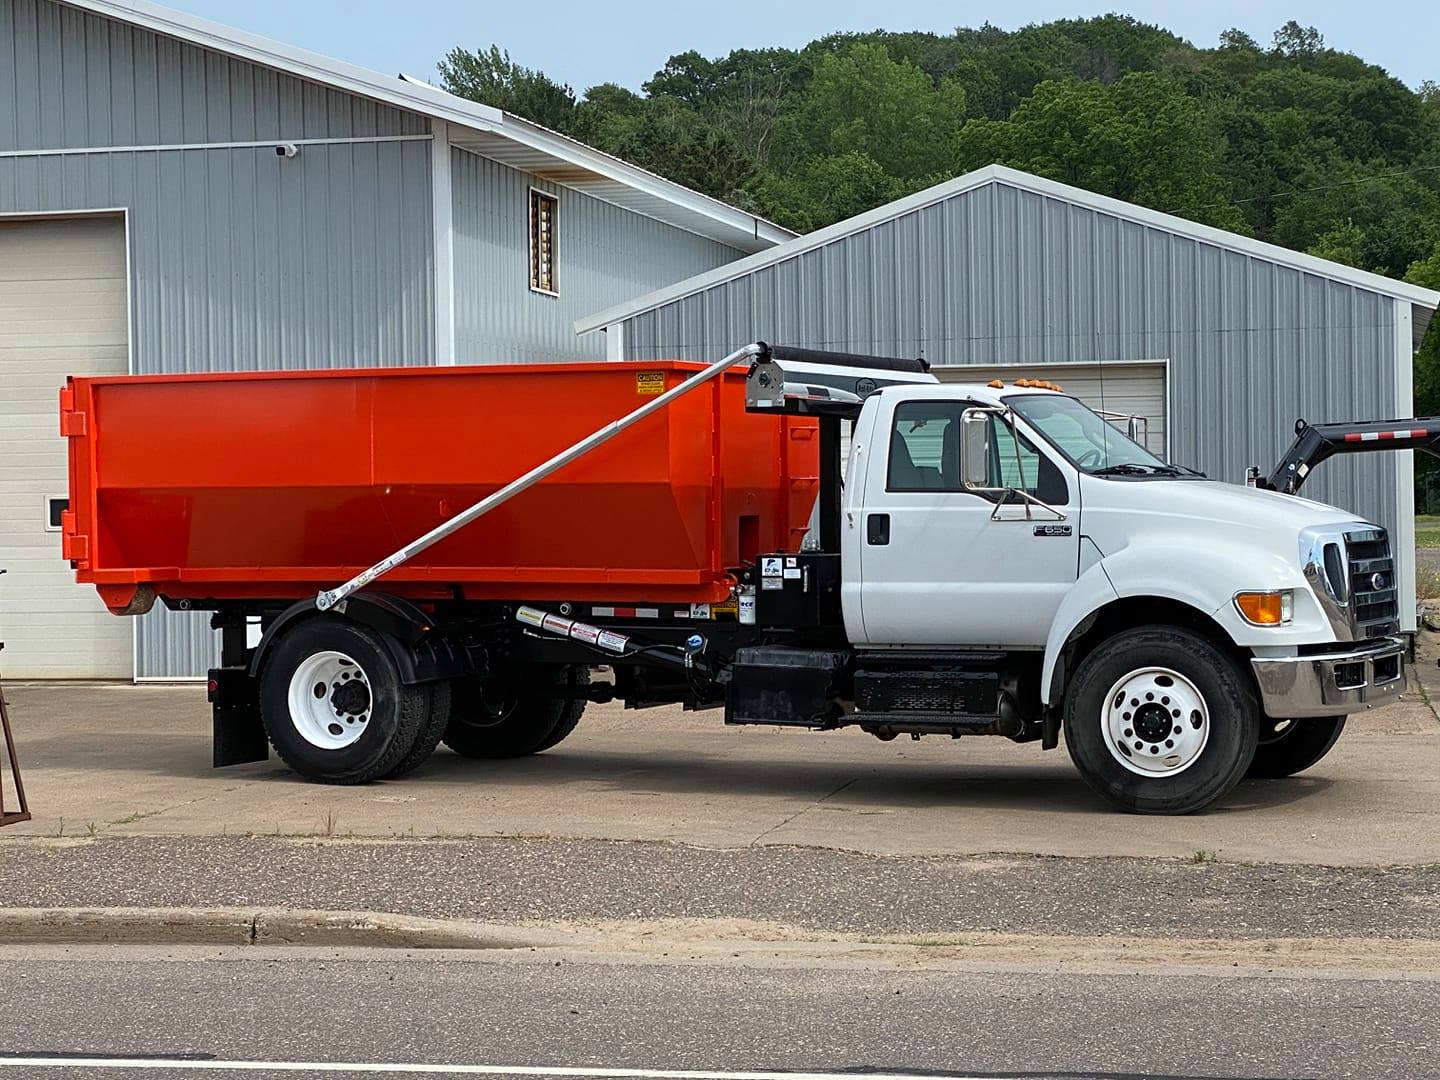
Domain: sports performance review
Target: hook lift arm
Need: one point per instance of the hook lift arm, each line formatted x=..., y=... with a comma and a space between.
x=1315, y=443
x=811, y=382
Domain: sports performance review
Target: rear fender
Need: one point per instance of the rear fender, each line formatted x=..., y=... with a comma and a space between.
x=408, y=632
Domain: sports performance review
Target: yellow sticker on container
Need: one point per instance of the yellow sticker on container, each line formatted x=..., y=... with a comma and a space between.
x=649, y=383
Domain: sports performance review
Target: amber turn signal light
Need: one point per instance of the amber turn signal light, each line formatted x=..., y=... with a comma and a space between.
x=1266, y=608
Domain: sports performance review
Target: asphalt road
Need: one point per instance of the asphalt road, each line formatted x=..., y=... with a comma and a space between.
x=809, y=891
x=594, y=1012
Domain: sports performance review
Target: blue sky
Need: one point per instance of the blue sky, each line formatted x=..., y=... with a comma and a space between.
x=584, y=43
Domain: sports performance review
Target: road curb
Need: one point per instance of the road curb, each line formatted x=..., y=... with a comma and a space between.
x=254, y=926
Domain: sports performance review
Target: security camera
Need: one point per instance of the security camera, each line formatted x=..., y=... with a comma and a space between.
x=287, y=150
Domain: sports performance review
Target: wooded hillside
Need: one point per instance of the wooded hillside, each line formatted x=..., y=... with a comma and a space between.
x=1290, y=141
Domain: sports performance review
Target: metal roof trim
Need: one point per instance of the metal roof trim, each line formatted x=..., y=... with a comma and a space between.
x=1000, y=174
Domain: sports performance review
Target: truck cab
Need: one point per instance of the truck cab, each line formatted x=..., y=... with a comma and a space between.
x=1163, y=615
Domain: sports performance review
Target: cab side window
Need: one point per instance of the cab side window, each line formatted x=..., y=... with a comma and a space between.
x=925, y=447
x=925, y=455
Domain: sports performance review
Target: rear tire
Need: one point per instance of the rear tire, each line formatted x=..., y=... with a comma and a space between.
x=1159, y=720
x=430, y=734
x=492, y=720
x=334, y=706
x=1291, y=746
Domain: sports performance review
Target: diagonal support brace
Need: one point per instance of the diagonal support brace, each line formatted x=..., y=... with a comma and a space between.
x=333, y=597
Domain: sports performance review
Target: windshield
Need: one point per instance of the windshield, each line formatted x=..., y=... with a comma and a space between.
x=1093, y=444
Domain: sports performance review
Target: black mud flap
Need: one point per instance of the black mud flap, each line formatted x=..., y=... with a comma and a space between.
x=239, y=736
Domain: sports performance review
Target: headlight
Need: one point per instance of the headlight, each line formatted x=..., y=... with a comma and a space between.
x=1275, y=608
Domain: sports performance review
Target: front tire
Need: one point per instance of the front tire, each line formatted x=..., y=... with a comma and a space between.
x=1159, y=720
x=1291, y=746
x=334, y=706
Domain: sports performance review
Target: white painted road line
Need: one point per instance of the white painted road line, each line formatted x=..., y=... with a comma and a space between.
x=208, y=1065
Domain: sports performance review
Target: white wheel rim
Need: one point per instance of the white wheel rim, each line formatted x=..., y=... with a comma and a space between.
x=330, y=700
x=1155, y=722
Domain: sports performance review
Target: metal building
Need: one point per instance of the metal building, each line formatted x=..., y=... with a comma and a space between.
x=177, y=196
x=1220, y=341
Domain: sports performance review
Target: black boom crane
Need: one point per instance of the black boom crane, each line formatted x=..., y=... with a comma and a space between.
x=1315, y=443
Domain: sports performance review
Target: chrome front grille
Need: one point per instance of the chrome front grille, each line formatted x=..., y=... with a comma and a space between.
x=1374, y=600
x=1351, y=570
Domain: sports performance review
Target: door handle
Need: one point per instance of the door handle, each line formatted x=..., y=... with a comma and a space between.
x=877, y=529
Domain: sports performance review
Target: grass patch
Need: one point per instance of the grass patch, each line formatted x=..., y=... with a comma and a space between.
x=130, y=819
x=1427, y=584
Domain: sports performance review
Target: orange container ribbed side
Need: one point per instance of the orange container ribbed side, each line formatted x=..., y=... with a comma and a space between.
x=274, y=485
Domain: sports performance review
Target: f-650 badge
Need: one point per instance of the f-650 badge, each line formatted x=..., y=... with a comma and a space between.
x=1052, y=530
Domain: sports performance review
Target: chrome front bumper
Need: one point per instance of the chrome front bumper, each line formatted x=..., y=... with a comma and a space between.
x=1330, y=684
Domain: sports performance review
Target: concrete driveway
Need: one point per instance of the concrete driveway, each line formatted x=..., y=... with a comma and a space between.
x=125, y=760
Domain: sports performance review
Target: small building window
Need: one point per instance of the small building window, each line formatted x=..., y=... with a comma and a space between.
x=54, y=507
x=543, y=212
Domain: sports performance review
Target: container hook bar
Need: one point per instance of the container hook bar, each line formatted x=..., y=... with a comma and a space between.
x=330, y=598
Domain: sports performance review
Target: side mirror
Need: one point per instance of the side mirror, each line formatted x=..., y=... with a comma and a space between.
x=975, y=449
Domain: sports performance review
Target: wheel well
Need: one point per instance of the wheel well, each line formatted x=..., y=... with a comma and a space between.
x=423, y=656
x=1128, y=613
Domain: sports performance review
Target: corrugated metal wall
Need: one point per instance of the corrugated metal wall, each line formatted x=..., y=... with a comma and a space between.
x=239, y=259
x=604, y=256
x=81, y=80
x=1002, y=275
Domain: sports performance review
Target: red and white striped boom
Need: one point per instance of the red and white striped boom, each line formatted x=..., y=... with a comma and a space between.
x=1316, y=442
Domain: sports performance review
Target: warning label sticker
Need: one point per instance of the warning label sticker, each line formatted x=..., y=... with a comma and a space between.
x=585, y=632
x=556, y=625
x=649, y=383
x=612, y=641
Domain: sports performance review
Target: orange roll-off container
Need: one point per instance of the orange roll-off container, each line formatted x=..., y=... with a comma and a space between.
x=273, y=486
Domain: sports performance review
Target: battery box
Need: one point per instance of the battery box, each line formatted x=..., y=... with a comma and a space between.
x=798, y=590
x=785, y=686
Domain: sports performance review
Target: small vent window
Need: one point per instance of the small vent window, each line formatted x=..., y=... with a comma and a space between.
x=54, y=507
x=543, y=211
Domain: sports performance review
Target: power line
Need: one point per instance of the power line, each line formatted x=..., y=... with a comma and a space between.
x=1307, y=191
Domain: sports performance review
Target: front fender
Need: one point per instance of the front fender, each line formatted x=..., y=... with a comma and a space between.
x=1203, y=578
x=1091, y=592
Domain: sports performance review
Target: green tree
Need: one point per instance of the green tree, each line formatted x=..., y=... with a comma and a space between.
x=1141, y=139
x=1383, y=221
x=667, y=137
x=1426, y=273
x=492, y=78
x=825, y=190
x=863, y=102
x=1294, y=41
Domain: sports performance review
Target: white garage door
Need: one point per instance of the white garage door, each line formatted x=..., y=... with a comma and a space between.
x=1128, y=388
x=63, y=300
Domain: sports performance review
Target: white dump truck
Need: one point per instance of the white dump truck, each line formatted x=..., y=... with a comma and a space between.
x=985, y=560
